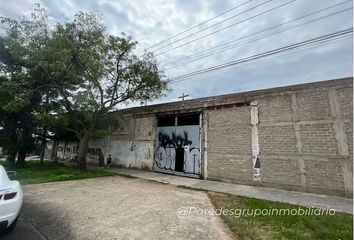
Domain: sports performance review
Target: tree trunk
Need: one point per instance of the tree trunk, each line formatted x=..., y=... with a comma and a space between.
x=54, y=155
x=44, y=132
x=83, y=145
x=41, y=156
x=10, y=149
x=21, y=159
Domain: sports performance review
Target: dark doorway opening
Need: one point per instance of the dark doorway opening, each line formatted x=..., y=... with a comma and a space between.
x=179, y=159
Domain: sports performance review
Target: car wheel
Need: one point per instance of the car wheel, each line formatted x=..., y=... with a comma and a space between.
x=11, y=227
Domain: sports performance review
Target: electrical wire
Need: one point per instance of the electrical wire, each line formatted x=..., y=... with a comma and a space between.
x=264, y=54
x=266, y=29
x=213, y=25
x=211, y=53
x=195, y=26
x=229, y=26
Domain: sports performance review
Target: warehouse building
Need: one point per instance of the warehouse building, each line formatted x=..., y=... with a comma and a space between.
x=297, y=137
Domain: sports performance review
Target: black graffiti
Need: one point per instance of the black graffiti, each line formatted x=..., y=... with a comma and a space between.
x=168, y=145
x=257, y=163
x=177, y=141
x=165, y=154
x=164, y=158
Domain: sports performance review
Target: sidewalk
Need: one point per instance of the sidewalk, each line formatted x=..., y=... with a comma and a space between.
x=339, y=204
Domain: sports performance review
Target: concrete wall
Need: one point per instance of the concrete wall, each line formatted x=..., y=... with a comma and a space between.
x=131, y=145
x=66, y=150
x=305, y=141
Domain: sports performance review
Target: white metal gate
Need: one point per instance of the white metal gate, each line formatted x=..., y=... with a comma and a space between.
x=177, y=149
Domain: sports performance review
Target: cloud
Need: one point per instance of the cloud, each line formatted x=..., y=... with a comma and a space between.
x=152, y=21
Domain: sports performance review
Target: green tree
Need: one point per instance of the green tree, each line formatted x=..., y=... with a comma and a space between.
x=98, y=73
x=70, y=77
x=8, y=126
x=24, y=83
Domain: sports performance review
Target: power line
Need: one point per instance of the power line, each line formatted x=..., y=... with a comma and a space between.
x=254, y=57
x=265, y=54
x=264, y=30
x=211, y=53
x=229, y=26
x=213, y=25
x=206, y=21
x=300, y=49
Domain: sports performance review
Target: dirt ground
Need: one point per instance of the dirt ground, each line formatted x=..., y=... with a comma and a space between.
x=117, y=208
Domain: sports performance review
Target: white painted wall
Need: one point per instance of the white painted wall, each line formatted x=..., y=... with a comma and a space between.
x=131, y=146
x=130, y=154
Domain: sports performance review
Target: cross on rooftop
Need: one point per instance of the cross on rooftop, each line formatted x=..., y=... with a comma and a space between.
x=183, y=96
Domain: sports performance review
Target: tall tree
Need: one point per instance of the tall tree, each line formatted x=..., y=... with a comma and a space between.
x=23, y=79
x=72, y=75
x=97, y=73
x=8, y=125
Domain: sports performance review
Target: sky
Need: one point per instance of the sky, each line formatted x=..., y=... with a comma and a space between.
x=245, y=23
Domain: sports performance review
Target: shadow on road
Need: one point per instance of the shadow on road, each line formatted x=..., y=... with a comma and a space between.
x=23, y=230
x=40, y=222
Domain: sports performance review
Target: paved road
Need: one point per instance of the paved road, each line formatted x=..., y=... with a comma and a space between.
x=339, y=204
x=115, y=208
x=23, y=230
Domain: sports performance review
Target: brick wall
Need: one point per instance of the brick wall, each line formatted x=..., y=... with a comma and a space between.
x=305, y=140
x=229, y=145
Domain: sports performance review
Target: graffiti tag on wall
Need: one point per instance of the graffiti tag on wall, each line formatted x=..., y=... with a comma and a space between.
x=70, y=152
x=170, y=141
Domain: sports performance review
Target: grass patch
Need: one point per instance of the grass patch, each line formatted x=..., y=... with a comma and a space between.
x=51, y=171
x=338, y=226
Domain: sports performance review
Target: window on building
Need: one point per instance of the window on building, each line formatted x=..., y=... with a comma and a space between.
x=166, y=121
x=190, y=119
x=182, y=120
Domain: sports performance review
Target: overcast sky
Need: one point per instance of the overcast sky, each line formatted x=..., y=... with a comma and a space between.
x=151, y=21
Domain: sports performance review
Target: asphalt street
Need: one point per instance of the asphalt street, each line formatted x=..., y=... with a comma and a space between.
x=23, y=230
x=114, y=208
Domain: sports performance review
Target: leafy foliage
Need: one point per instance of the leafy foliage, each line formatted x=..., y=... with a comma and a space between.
x=70, y=76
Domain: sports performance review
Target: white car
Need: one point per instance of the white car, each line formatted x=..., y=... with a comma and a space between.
x=11, y=197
